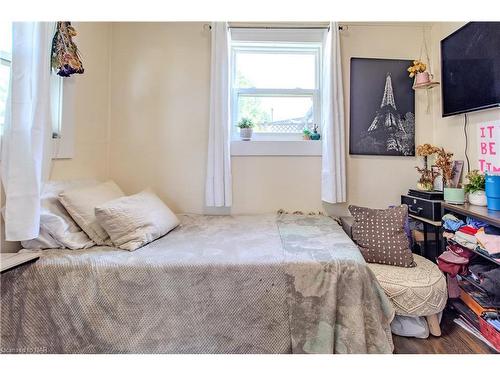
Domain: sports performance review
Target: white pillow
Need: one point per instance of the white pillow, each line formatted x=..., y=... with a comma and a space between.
x=57, y=228
x=80, y=204
x=44, y=241
x=136, y=220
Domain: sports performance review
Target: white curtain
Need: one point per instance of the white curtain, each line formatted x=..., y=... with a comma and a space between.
x=218, y=184
x=333, y=174
x=26, y=142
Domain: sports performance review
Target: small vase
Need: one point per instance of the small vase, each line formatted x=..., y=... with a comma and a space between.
x=454, y=195
x=422, y=78
x=315, y=136
x=478, y=198
x=246, y=134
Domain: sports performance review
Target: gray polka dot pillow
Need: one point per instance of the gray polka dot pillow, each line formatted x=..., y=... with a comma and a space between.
x=380, y=235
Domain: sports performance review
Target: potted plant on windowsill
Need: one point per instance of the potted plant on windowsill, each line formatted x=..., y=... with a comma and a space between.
x=246, y=128
x=306, y=134
x=475, y=188
x=452, y=194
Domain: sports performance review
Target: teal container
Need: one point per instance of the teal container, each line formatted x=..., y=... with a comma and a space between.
x=454, y=195
x=493, y=191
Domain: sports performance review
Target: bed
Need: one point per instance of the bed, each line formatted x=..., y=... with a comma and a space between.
x=216, y=284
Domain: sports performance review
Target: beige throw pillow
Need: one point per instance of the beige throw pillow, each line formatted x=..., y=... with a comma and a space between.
x=380, y=235
x=81, y=203
x=136, y=220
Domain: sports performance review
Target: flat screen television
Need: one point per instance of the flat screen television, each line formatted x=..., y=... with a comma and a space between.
x=470, y=68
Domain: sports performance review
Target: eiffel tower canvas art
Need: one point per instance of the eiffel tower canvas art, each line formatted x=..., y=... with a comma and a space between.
x=382, y=115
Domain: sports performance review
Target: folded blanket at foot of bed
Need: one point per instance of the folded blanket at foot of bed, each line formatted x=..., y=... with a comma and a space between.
x=216, y=284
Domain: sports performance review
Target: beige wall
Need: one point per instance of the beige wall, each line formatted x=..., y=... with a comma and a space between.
x=91, y=113
x=378, y=181
x=159, y=110
x=159, y=124
x=449, y=131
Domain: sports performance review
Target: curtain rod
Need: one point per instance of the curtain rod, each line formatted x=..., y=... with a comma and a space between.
x=284, y=27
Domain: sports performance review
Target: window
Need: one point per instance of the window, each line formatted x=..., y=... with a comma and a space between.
x=5, y=62
x=56, y=89
x=62, y=135
x=275, y=83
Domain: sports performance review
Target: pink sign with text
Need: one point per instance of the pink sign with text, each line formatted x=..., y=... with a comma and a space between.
x=489, y=146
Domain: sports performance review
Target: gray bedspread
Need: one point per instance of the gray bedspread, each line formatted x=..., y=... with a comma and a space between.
x=216, y=284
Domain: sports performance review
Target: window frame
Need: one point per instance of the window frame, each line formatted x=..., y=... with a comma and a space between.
x=63, y=146
x=63, y=143
x=298, y=40
x=6, y=60
x=64, y=140
x=272, y=46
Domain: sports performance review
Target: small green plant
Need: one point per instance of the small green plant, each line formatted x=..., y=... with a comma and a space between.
x=245, y=123
x=306, y=132
x=476, y=181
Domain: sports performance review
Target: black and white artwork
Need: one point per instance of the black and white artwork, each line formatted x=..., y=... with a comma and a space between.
x=382, y=108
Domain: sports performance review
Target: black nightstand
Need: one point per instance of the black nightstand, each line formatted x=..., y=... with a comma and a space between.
x=435, y=227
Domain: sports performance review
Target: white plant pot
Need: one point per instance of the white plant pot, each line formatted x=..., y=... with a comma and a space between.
x=246, y=134
x=478, y=198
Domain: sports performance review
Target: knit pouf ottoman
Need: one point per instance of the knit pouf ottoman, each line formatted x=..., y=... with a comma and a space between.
x=415, y=292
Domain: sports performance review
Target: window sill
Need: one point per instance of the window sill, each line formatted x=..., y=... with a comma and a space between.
x=59, y=150
x=276, y=148
x=62, y=149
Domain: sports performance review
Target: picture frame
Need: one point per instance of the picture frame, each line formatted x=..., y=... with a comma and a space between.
x=382, y=108
x=458, y=166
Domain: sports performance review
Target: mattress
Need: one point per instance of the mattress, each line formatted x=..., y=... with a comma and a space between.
x=216, y=284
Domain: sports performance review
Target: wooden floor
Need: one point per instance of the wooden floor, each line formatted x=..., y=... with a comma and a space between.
x=454, y=340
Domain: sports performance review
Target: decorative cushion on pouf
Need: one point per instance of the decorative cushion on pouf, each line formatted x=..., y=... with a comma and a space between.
x=417, y=291
x=380, y=235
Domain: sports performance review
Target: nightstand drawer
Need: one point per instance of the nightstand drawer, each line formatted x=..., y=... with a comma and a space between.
x=422, y=207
